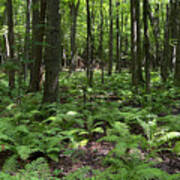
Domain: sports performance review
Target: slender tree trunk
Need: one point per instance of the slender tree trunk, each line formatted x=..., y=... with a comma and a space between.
x=110, y=39
x=118, y=68
x=146, y=45
x=121, y=37
x=173, y=34
x=52, y=52
x=27, y=38
x=88, y=41
x=74, y=14
x=154, y=20
x=35, y=35
x=38, y=44
x=101, y=42
x=177, y=66
x=166, y=52
x=92, y=44
x=11, y=42
x=157, y=36
x=135, y=42
x=139, y=49
x=126, y=41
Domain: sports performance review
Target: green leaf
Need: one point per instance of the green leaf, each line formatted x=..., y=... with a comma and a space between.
x=176, y=148
x=53, y=156
x=24, y=151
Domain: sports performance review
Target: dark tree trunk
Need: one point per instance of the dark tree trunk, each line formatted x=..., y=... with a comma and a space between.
x=101, y=42
x=38, y=35
x=110, y=39
x=121, y=38
x=92, y=44
x=52, y=52
x=177, y=66
x=35, y=22
x=146, y=45
x=126, y=41
x=139, y=49
x=11, y=43
x=166, y=52
x=173, y=33
x=74, y=14
x=88, y=41
x=157, y=37
x=135, y=43
x=154, y=20
x=27, y=38
x=118, y=68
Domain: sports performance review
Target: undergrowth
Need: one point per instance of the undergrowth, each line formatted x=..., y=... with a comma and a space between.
x=139, y=126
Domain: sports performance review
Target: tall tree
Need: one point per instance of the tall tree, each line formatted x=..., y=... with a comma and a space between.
x=135, y=43
x=74, y=7
x=166, y=53
x=88, y=40
x=101, y=39
x=117, y=37
x=177, y=66
x=27, y=38
x=154, y=21
x=146, y=45
x=38, y=35
x=173, y=33
x=92, y=43
x=11, y=42
x=110, y=38
x=52, y=52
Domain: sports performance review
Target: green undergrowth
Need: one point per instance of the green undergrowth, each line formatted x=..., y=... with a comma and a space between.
x=139, y=125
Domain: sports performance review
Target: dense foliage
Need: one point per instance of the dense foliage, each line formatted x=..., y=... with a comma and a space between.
x=139, y=128
x=90, y=90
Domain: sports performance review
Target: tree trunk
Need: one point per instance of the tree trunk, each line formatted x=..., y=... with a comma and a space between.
x=110, y=39
x=173, y=34
x=154, y=21
x=118, y=68
x=74, y=13
x=101, y=42
x=11, y=43
x=166, y=53
x=146, y=45
x=92, y=44
x=52, y=52
x=88, y=41
x=27, y=38
x=38, y=35
x=135, y=44
x=177, y=66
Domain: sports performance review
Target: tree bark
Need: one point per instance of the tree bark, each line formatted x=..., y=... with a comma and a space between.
x=154, y=21
x=88, y=40
x=52, y=52
x=166, y=52
x=11, y=43
x=118, y=68
x=38, y=36
x=135, y=44
x=101, y=42
x=110, y=39
x=177, y=66
x=27, y=38
x=173, y=33
x=74, y=13
x=146, y=45
x=92, y=44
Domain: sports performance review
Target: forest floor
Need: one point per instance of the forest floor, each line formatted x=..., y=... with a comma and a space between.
x=93, y=132
x=92, y=154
